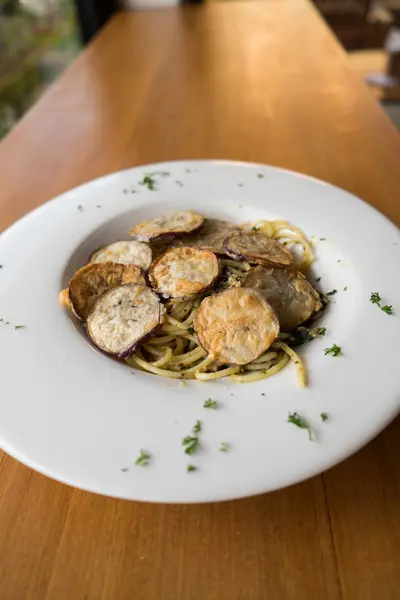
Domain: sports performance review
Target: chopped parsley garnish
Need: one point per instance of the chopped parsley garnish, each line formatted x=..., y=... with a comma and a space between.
x=149, y=182
x=332, y=293
x=98, y=205
x=19, y=326
x=263, y=394
x=387, y=309
x=334, y=351
x=376, y=299
x=210, y=403
x=191, y=330
x=190, y=443
x=260, y=175
x=125, y=469
x=318, y=279
x=254, y=228
x=324, y=416
x=224, y=447
x=190, y=468
x=322, y=239
x=345, y=288
x=179, y=183
x=80, y=207
x=143, y=459
x=300, y=422
x=197, y=427
x=340, y=260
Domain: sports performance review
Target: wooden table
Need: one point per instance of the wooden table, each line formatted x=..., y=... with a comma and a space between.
x=260, y=82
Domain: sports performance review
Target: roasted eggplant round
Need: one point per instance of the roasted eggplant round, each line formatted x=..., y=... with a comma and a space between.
x=167, y=227
x=256, y=247
x=289, y=293
x=124, y=253
x=184, y=273
x=236, y=326
x=94, y=279
x=123, y=318
x=211, y=236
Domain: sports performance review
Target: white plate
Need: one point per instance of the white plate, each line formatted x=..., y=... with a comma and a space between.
x=80, y=417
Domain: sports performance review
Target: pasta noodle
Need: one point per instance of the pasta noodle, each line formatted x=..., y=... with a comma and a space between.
x=175, y=351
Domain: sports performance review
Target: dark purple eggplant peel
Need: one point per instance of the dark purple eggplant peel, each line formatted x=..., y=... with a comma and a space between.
x=258, y=248
x=167, y=227
x=123, y=318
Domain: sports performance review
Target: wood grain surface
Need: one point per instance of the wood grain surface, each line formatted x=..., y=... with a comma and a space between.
x=262, y=82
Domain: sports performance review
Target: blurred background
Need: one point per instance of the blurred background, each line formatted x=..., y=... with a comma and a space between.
x=40, y=38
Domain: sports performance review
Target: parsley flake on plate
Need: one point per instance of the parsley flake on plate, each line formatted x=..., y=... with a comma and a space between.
x=143, y=459
x=376, y=299
x=324, y=416
x=209, y=403
x=334, y=350
x=300, y=422
x=224, y=447
x=190, y=444
x=191, y=468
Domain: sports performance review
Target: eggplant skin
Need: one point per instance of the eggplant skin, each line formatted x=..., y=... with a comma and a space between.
x=258, y=248
x=236, y=326
x=167, y=227
x=184, y=272
x=94, y=279
x=123, y=318
x=289, y=293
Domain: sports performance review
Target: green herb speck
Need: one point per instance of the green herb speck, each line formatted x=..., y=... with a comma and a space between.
x=300, y=422
x=334, y=350
x=197, y=427
x=224, y=447
x=324, y=416
x=191, y=468
x=143, y=459
x=376, y=299
x=19, y=326
x=190, y=444
x=209, y=403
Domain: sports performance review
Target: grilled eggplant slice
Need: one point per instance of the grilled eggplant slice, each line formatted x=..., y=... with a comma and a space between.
x=124, y=253
x=256, y=247
x=168, y=227
x=94, y=279
x=211, y=236
x=289, y=293
x=123, y=318
x=183, y=273
x=236, y=326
